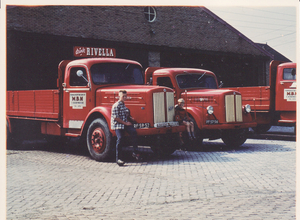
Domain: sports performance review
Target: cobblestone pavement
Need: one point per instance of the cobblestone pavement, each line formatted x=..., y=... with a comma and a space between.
x=255, y=181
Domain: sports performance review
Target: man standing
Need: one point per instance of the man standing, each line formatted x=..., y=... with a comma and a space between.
x=121, y=122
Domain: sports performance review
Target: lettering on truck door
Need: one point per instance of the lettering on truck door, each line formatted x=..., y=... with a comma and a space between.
x=76, y=97
x=286, y=90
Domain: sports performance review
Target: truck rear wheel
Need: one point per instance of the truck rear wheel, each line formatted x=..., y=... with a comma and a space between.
x=99, y=140
x=234, y=138
x=13, y=140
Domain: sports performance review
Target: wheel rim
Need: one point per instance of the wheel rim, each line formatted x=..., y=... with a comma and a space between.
x=98, y=140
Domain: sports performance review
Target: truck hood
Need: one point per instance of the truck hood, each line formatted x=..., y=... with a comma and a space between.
x=133, y=88
x=208, y=92
x=207, y=96
x=137, y=94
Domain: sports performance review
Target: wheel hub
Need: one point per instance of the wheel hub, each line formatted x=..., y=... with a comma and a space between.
x=98, y=140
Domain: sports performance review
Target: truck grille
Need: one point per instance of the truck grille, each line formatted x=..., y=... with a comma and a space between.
x=163, y=107
x=233, y=108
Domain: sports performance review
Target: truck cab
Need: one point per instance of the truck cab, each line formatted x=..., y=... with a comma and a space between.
x=217, y=113
x=81, y=105
x=285, y=92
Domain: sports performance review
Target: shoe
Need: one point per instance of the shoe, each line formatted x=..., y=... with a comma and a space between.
x=136, y=156
x=120, y=162
x=190, y=138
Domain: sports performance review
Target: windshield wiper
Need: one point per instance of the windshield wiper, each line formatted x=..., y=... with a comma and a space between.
x=201, y=76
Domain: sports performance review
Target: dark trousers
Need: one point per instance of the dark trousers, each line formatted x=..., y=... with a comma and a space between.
x=120, y=140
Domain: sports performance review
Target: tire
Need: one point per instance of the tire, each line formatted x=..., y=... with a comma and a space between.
x=261, y=129
x=12, y=141
x=165, y=145
x=197, y=144
x=99, y=140
x=234, y=138
x=194, y=145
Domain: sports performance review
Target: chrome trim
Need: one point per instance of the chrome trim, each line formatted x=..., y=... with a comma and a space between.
x=166, y=124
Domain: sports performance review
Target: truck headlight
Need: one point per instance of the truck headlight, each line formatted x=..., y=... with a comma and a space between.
x=210, y=110
x=247, y=108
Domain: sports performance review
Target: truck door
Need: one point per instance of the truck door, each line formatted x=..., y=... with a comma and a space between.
x=76, y=96
x=285, y=98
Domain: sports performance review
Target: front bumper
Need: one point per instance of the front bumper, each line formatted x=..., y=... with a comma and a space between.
x=157, y=131
x=230, y=126
x=161, y=130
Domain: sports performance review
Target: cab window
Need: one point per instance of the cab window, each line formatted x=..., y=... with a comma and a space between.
x=164, y=81
x=289, y=74
x=117, y=73
x=78, y=80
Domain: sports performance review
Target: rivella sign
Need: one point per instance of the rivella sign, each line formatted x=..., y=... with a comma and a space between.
x=93, y=52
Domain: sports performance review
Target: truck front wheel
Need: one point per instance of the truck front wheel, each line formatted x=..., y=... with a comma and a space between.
x=99, y=140
x=234, y=138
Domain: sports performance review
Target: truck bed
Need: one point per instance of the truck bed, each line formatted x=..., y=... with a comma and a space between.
x=257, y=97
x=35, y=104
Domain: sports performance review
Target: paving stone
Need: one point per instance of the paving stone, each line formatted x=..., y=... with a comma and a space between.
x=255, y=181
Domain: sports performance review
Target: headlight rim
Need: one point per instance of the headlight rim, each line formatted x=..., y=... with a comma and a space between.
x=210, y=110
x=247, y=108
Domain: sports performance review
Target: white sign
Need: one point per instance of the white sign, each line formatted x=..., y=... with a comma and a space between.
x=78, y=100
x=75, y=124
x=93, y=52
x=290, y=95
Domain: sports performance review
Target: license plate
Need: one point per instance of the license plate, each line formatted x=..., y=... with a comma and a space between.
x=141, y=125
x=211, y=122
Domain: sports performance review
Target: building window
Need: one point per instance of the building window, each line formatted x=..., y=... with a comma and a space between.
x=150, y=13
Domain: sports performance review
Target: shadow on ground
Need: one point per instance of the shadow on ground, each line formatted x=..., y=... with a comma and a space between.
x=72, y=146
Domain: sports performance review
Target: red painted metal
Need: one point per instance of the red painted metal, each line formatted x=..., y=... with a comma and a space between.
x=269, y=104
x=60, y=115
x=197, y=100
x=98, y=140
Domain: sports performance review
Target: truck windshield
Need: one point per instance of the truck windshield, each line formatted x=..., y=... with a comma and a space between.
x=289, y=74
x=193, y=80
x=114, y=73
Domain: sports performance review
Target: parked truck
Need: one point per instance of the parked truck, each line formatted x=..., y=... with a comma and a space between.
x=274, y=104
x=217, y=113
x=81, y=105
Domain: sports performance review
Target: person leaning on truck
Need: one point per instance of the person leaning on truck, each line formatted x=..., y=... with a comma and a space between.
x=182, y=117
x=121, y=122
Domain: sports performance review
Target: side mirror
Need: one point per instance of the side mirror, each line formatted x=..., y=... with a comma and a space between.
x=79, y=73
x=221, y=84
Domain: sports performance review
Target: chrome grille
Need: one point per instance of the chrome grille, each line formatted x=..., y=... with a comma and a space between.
x=158, y=107
x=233, y=108
x=170, y=106
x=163, y=107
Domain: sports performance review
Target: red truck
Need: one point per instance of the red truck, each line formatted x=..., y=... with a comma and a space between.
x=81, y=104
x=217, y=113
x=274, y=104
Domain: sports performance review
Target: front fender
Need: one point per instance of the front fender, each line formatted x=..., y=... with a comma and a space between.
x=99, y=111
x=197, y=114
